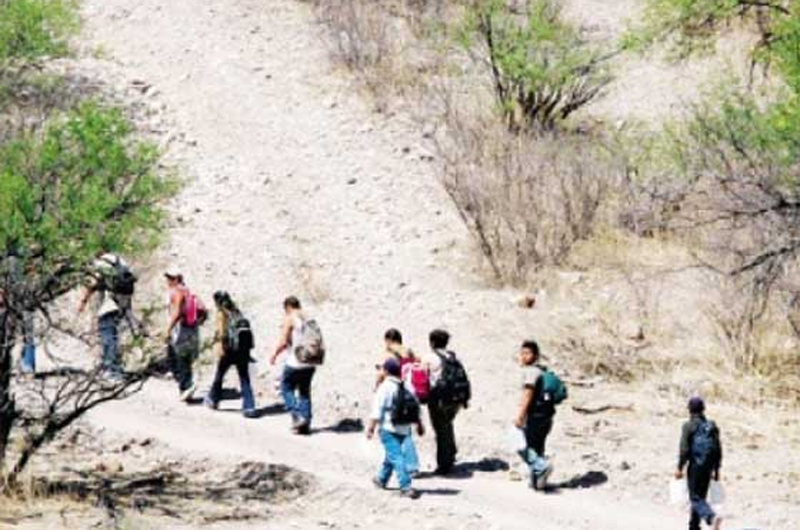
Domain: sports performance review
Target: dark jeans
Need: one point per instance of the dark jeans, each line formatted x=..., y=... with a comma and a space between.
x=536, y=431
x=442, y=416
x=296, y=390
x=699, y=479
x=225, y=363
x=108, y=326
x=182, y=354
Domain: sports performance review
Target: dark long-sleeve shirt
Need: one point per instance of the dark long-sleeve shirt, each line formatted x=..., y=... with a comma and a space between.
x=687, y=433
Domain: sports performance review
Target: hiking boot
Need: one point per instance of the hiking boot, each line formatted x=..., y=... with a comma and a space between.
x=409, y=493
x=378, y=484
x=188, y=394
x=208, y=402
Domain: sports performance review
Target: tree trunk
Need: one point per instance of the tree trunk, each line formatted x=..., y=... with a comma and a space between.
x=8, y=410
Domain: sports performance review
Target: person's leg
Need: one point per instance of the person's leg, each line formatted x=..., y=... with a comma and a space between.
x=304, y=378
x=410, y=455
x=394, y=460
x=109, y=337
x=29, y=358
x=699, y=482
x=248, y=402
x=288, y=385
x=215, y=393
x=385, y=472
x=439, y=424
x=449, y=448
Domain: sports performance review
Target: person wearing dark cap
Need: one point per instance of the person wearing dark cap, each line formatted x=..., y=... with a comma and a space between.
x=393, y=430
x=701, y=455
x=233, y=342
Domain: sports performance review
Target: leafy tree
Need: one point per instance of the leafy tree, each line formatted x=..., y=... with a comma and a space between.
x=542, y=69
x=79, y=186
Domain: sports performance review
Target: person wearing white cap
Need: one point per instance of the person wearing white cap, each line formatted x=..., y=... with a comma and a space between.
x=114, y=283
x=185, y=315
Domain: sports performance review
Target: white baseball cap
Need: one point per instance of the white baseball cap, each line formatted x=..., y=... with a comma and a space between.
x=174, y=272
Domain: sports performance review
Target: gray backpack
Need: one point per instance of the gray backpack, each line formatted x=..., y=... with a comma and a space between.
x=311, y=349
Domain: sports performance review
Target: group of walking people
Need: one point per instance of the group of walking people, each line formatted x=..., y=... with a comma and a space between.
x=405, y=383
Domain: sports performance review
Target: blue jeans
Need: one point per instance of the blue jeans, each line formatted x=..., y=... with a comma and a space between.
x=296, y=391
x=395, y=459
x=108, y=325
x=410, y=454
x=29, y=358
x=242, y=365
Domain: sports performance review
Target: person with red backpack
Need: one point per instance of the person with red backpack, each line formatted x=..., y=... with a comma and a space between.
x=186, y=313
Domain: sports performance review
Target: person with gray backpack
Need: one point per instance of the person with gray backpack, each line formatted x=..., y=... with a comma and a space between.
x=301, y=339
x=700, y=454
x=234, y=342
x=542, y=391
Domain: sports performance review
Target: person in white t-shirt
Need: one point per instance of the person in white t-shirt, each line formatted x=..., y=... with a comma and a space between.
x=297, y=376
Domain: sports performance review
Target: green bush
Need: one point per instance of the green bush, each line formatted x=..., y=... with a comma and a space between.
x=35, y=28
x=541, y=67
x=80, y=185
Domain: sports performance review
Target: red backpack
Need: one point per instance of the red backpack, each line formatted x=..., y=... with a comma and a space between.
x=193, y=312
x=419, y=377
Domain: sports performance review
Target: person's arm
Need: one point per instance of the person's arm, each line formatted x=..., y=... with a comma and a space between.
x=524, y=407
x=684, y=449
x=719, y=460
x=283, y=342
x=88, y=291
x=176, y=303
x=219, y=337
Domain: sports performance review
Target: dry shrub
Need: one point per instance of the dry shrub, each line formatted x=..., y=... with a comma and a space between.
x=527, y=199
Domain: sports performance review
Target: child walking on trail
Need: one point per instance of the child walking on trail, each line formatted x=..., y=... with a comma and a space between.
x=534, y=416
x=395, y=411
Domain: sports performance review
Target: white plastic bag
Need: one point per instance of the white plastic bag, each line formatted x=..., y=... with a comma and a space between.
x=716, y=493
x=516, y=439
x=678, y=492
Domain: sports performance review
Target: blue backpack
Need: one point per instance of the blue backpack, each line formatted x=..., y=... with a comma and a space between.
x=706, y=449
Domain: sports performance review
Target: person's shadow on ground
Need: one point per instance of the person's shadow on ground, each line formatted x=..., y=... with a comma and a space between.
x=590, y=479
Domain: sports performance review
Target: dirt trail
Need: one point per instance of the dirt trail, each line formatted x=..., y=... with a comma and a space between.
x=296, y=186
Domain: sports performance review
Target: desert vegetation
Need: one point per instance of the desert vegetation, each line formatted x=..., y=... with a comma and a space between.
x=75, y=181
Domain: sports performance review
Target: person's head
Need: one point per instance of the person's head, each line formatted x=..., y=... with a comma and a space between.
x=224, y=301
x=696, y=406
x=392, y=338
x=529, y=353
x=438, y=339
x=174, y=276
x=391, y=367
x=291, y=304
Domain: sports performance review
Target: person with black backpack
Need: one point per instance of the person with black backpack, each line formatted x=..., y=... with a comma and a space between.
x=701, y=454
x=114, y=283
x=234, y=342
x=450, y=392
x=542, y=391
x=395, y=410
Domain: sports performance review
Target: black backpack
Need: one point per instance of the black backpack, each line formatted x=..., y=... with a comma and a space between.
x=706, y=448
x=453, y=386
x=239, y=340
x=405, y=407
x=121, y=281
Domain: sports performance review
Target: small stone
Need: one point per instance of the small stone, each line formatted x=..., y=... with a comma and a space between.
x=352, y=181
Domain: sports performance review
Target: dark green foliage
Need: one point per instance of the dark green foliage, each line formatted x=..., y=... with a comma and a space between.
x=35, y=28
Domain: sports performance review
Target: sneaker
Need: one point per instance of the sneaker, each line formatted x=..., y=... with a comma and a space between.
x=208, y=402
x=378, y=484
x=409, y=493
x=250, y=413
x=188, y=394
x=540, y=480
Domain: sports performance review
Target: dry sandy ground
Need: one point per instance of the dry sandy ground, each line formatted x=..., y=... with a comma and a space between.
x=296, y=187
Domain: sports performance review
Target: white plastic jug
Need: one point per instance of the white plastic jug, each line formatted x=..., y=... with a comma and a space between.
x=516, y=439
x=716, y=493
x=678, y=492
